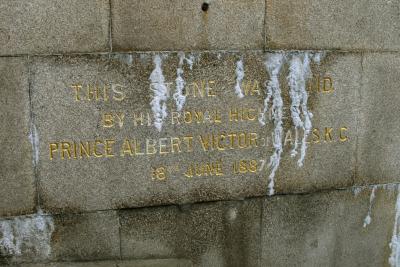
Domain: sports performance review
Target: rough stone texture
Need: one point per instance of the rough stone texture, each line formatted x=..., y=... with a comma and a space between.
x=61, y=26
x=326, y=229
x=155, y=263
x=91, y=236
x=127, y=263
x=73, y=264
x=316, y=24
x=328, y=164
x=212, y=234
x=139, y=25
x=17, y=181
x=379, y=152
x=151, y=233
x=121, y=182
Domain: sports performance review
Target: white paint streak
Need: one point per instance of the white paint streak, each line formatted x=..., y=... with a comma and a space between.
x=179, y=97
x=30, y=234
x=273, y=65
x=160, y=97
x=299, y=72
x=394, y=258
x=357, y=190
x=239, y=78
x=368, y=219
x=190, y=61
x=34, y=139
x=317, y=57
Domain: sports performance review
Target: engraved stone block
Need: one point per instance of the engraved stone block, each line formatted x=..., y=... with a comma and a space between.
x=139, y=25
x=142, y=129
x=61, y=26
x=17, y=180
x=316, y=24
x=379, y=153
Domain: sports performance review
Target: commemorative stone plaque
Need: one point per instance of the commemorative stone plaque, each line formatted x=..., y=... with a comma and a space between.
x=145, y=129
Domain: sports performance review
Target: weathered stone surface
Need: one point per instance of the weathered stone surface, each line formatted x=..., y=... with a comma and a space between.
x=212, y=234
x=73, y=264
x=129, y=179
x=91, y=236
x=182, y=25
x=329, y=162
x=151, y=233
x=326, y=229
x=155, y=263
x=127, y=263
x=45, y=27
x=379, y=153
x=17, y=181
x=315, y=24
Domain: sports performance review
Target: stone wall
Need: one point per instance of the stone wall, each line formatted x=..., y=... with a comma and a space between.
x=140, y=133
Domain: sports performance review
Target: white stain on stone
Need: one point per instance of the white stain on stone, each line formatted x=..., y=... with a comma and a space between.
x=356, y=190
x=368, y=219
x=299, y=72
x=232, y=214
x=394, y=258
x=179, y=97
x=239, y=78
x=125, y=58
x=34, y=139
x=273, y=65
x=190, y=61
x=30, y=234
x=317, y=57
x=160, y=90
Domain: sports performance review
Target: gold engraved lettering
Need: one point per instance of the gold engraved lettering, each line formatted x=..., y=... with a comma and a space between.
x=163, y=146
x=53, y=147
x=65, y=148
x=108, y=120
x=84, y=151
x=118, y=95
x=95, y=149
x=175, y=144
x=151, y=147
x=288, y=138
x=242, y=114
x=108, y=148
x=210, y=91
x=202, y=88
x=315, y=136
x=342, y=136
x=327, y=85
x=189, y=143
x=77, y=88
x=126, y=148
x=204, y=169
x=328, y=134
x=244, y=166
x=175, y=117
x=159, y=173
x=251, y=88
x=187, y=117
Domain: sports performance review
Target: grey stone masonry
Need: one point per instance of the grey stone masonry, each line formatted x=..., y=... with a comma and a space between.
x=152, y=161
x=337, y=25
x=54, y=26
x=17, y=179
x=379, y=135
x=147, y=25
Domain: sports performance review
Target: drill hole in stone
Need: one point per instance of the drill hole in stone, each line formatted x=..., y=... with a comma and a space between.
x=205, y=6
